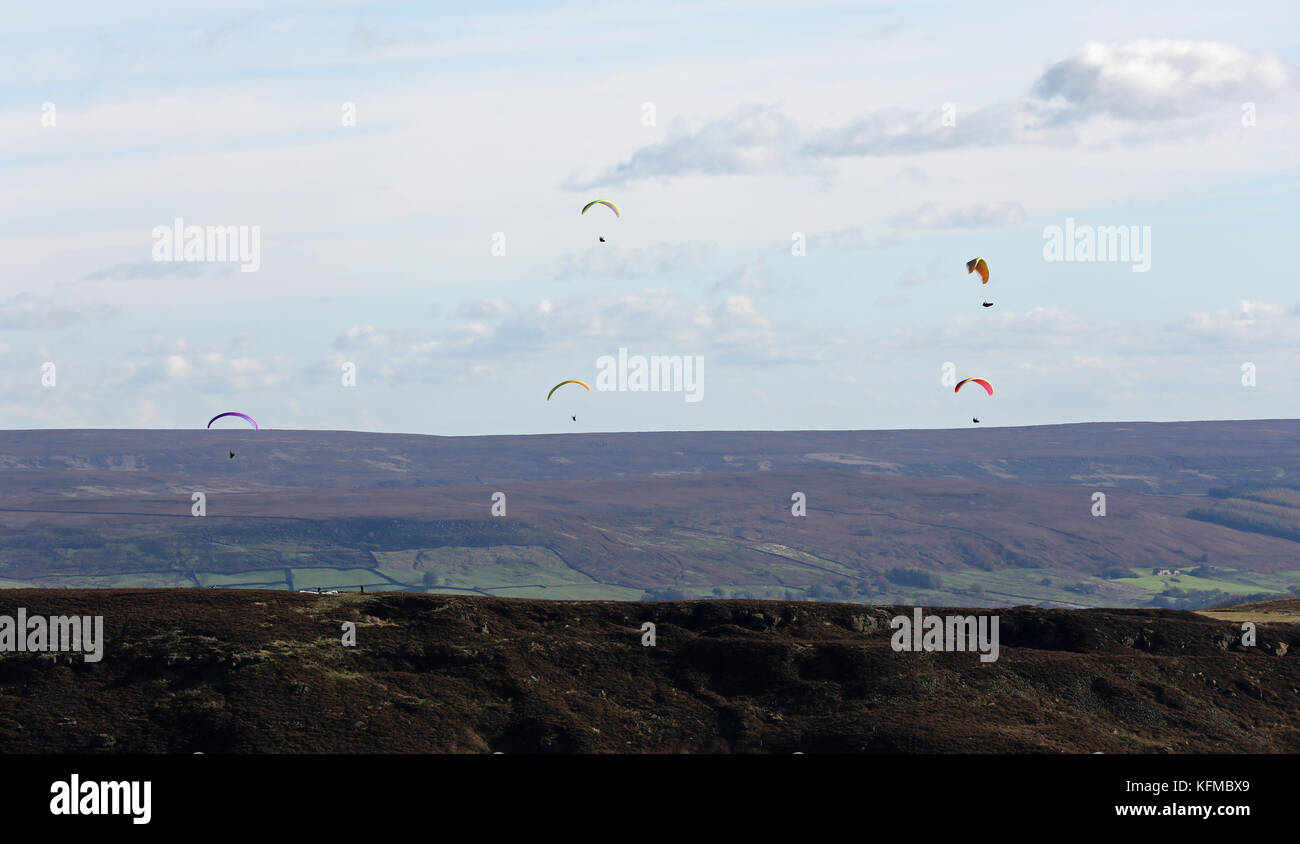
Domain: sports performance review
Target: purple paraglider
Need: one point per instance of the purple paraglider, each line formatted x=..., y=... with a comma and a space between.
x=233, y=413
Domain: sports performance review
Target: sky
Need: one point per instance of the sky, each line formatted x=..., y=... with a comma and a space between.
x=800, y=186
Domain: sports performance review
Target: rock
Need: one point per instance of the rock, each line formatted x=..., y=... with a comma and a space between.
x=863, y=623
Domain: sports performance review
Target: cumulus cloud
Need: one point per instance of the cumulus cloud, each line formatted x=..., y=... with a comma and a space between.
x=362, y=337
x=1139, y=82
x=1156, y=80
x=987, y=215
x=1039, y=328
x=655, y=319
x=1251, y=325
x=25, y=312
x=495, y=306
x=219, y=369
x=897, y=131
x=760, y=138
x=751, y=277
x=752, y=138
x=660, y=259
x=137, y=270
x=856, y=237
x=736, y=327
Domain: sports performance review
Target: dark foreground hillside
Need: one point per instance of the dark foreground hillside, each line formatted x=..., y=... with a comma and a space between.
x=264, y=671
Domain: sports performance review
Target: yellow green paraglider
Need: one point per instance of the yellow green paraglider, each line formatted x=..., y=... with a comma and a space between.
x=605, y=202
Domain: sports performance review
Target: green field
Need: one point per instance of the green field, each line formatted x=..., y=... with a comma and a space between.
x=139, y=580
x=268, y=579
x=581, y=592
x=328, y=578
x=495, y=568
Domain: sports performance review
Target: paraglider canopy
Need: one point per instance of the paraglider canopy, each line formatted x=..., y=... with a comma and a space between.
x=562, y=383
x=978, y=265
x=233, y=413
x=605, y=202
x=983, y=383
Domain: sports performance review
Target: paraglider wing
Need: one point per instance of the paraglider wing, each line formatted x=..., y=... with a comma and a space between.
x=978, y=265
x=233, y=413
x=985, y=384
x=606, y=202
x=562, y=383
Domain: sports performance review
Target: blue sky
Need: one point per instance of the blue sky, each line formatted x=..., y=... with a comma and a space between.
x=770, y=119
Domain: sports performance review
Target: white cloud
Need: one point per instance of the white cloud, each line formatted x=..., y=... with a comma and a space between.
x=752, y=138
x=26, y=312
x=608, y=260
x=495, y=306
x=1154, y=80
x=985, y=215
x=362, y=337
x=222, y=368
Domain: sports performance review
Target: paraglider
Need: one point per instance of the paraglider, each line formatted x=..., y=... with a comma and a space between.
x=988, y=304
x=973, y=419
x=983, y=383
x=232, y=455
x=233, y=413
x=574, y=418
x=605, y=202
x=583, y=384
x=978, y=265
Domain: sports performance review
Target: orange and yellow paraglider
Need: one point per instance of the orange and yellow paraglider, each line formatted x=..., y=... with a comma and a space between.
x=583, y=384
x=978, y=265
